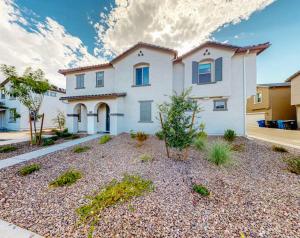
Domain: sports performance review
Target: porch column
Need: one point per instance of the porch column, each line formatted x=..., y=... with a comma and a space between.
x=91, y=123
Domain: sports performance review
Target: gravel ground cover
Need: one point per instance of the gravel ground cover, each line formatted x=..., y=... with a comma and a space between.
x=25, y=147
x=255, y=195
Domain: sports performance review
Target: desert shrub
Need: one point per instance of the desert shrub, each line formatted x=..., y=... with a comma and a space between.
x=104, y=139
x=202, y=190
x=238, y=147
x=280, y=149
x=48, y=141
x=200, y=143
x=63, y=134
x=229, y=135
x=116, y=192
x=132, y=134
x=80, y=149
x=55, y=138
x=72, y=137
x=293, y=165
x=7, y=148
x=29, y=169
x=141, y=136
x=67, y=178
x=202, y=133
x=146, y=158
x=160, y=135
x=219, y=153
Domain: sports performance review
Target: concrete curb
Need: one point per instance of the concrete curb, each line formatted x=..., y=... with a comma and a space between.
x=9, y=230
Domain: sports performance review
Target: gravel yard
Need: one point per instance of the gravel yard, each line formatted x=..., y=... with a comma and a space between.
x=255, y=195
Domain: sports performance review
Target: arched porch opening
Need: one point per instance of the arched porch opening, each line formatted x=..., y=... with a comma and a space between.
x=81, y=122
x=103, y=118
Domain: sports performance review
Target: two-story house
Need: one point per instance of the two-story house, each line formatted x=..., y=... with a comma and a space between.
x=272, y=102
x=124, y=94
x=10, y=106
x=295, y=93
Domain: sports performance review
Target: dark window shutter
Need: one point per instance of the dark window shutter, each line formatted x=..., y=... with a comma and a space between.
x=195, y=72
x=218, y=69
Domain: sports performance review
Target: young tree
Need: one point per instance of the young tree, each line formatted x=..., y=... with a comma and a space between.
x=29, y=89
x=60, y=120
x=178, y=121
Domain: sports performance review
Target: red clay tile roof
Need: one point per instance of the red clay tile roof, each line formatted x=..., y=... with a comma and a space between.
x=293, y=76
x=94, y=96
x=85, y=68
x=257, y=48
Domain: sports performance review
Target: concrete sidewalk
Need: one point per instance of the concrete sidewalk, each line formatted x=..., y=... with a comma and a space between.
x=8, y=230
x=38, y=153
x=290, y=138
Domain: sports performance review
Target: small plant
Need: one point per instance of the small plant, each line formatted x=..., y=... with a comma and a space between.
x=60, y=120
x=72, y=137
x=229, y=135
x=116, y=192
x=141, y=137
x=200, y=143
x=219, y=153
x=238, y=147
x=146, y=158
x=48, y=141
x=160, y=135
x=63, y=134
x=67, y=178
x=29, y=169
x=132, y=134
x=294, y=165
x=202, y=133
x=55, y=138
x=202, y=190
x=7, y=148
x=280, y=149
x=104, y=139
x=80, y=149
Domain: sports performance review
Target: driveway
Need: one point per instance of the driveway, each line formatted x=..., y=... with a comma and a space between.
x=284, y=137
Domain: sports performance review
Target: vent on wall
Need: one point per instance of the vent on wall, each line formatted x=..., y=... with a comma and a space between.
x=141, y=53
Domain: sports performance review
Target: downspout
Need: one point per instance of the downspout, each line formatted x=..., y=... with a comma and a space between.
x=244, y=91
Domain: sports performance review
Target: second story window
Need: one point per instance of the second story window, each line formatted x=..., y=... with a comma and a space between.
x=79, y=81
x=204, y=72
x=100, y=79
x=2, y=94
x=258, y=97
x=142, y=75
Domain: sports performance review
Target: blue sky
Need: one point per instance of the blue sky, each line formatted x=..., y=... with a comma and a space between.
x=74, y=32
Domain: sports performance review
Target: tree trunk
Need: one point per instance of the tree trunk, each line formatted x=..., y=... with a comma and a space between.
x=41, y=130
x=30, y=126
x=166, y=144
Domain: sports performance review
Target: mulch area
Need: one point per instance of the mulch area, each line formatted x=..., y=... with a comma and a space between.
x=25, y=147
x=255, y=195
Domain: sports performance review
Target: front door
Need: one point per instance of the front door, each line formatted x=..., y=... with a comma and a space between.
x=107, y=119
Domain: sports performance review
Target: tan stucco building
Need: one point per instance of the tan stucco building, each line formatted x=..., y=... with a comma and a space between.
x=272, y=102
x=294, y=80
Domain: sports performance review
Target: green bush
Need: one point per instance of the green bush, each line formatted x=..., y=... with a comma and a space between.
x=7, y=148
x=80, y=149
x=63, y=134
x=198, y=188
x=146, y=158
x=29, y=169
x=132, y=134
x=202, y=133
x=67, y=178
x=294, y=165
x=48, y=141
x=160, y=135
x=280, y=149
x=229, y=135
x=200, y=143
x=55, y=138
x=72, y=137
x=114, y=193
x=104, y=139
x=219, y=153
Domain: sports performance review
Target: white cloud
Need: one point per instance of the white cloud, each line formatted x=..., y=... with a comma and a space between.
x=179, y=24
x=47, y=45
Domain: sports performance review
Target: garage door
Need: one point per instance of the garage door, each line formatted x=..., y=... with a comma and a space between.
x=252, y=118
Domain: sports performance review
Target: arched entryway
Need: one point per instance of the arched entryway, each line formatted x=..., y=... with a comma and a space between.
x=103, y=118
x=81, y=124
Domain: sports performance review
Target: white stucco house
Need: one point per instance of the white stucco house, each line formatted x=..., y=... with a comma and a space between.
x=51, y=105
x=124, y=94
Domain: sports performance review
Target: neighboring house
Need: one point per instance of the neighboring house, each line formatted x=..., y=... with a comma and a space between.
x=271, y=102
x=295, y=93
x=9, y=106
x=124, y=94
